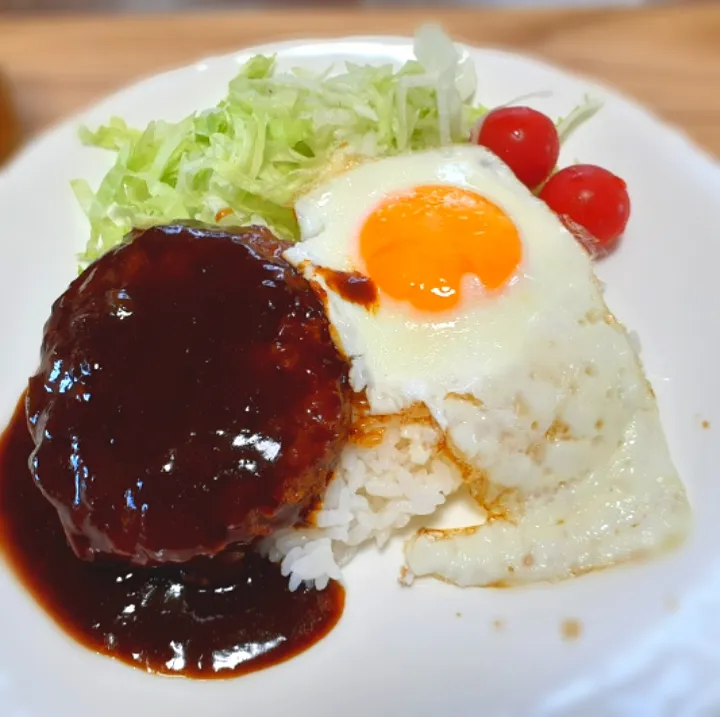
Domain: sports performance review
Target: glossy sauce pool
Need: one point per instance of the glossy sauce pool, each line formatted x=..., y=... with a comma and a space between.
x=160, y=619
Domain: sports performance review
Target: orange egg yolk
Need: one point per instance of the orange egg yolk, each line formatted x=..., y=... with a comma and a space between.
x=417, y=246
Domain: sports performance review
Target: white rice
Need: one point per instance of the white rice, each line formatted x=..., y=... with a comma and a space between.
x=376, y=491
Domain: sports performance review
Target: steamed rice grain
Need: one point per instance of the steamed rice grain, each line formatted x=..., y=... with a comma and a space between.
x=380, y=485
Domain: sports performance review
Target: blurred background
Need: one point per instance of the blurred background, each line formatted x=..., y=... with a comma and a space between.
x=60, y=56
x=150, y=6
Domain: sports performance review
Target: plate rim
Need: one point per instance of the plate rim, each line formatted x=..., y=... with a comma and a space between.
x=70, y=123
x=67, y=126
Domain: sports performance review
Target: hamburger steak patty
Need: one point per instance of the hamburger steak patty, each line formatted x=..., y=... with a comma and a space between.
x=189, y=396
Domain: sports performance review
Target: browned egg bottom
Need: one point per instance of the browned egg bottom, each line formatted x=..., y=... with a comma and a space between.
x=189, y=401
x=368, y=430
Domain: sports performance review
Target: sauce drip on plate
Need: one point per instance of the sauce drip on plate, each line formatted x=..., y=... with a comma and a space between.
x=164, y=619
x=352, y=286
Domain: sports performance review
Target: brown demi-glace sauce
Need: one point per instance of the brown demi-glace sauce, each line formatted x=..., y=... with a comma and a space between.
x=189, y=401
x=352, y=286
x=189, y=397
x=153, y=618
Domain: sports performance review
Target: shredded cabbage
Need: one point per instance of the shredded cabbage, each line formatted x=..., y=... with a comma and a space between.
x=247, y=159
x=581, y=114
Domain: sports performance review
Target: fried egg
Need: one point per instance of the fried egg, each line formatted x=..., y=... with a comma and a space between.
x=485, y=310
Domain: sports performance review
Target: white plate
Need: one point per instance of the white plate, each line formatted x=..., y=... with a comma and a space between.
x=650, y=642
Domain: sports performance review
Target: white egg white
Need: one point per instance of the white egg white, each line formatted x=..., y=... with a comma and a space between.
x=538, y=391
x=403, y=356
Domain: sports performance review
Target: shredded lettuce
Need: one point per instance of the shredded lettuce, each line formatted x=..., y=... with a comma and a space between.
x=581, y=114
x=247, y=159
x=266, y=142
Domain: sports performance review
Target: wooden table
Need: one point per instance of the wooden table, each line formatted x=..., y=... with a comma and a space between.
x=667, y=57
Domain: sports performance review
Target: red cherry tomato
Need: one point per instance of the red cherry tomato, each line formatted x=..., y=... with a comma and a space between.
x=593, y=203
x=526, y=140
